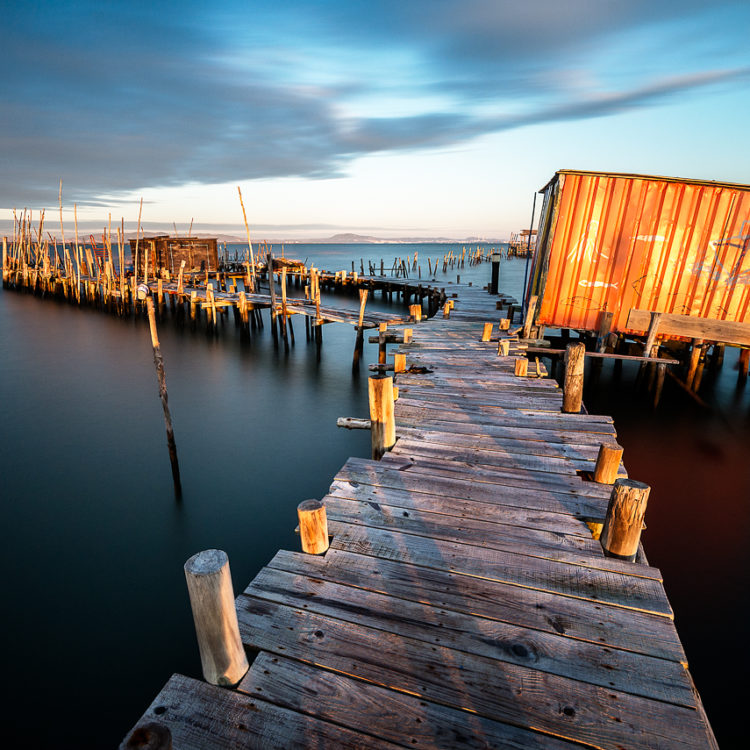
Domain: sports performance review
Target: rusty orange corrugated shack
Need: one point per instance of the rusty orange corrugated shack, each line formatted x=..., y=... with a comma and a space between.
x=616, y=242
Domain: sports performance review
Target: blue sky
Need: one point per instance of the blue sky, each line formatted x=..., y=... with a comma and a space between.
x=415, y=117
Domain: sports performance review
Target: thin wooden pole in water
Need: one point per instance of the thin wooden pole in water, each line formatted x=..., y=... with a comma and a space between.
x=144, y=293
x=253, y=281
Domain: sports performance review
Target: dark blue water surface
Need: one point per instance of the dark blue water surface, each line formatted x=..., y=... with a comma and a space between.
x=96, y=615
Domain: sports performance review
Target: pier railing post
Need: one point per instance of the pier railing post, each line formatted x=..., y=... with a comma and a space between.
x=573, y=388
x=383, y=423
x=621, y=533
x=607, y=463
x=313, y=527
x=209, y=584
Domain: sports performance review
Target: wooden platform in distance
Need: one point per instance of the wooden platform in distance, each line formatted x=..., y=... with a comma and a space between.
x=463, y=602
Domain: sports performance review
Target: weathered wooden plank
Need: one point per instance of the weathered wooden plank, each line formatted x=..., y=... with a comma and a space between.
x=396, y=717
x=435, y=466
x=553, y=653
x=599, y=623
x=577, y=581
x=424, y=420
x=506, y=692
x=520, y=418
x=577, y=498
x=692, y=327
x=456, y=508
x=201, y=716
x=559, y=449
x=520, y=540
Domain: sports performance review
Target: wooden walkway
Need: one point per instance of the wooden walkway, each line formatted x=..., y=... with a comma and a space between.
x=463, y=602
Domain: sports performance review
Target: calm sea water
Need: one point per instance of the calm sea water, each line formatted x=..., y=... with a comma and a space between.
x=97, y=617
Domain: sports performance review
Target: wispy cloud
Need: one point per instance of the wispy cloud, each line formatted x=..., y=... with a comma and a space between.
x=120, y=96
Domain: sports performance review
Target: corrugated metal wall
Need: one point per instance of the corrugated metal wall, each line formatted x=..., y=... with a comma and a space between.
x=615, y=242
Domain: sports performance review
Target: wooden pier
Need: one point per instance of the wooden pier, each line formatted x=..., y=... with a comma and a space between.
x=464, y=601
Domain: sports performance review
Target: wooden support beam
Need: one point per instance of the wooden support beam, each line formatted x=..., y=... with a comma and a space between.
x=623, y=523
x=209, y=584
x=313, y=527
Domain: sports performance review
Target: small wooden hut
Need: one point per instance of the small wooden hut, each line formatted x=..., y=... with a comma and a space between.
x=167, y=253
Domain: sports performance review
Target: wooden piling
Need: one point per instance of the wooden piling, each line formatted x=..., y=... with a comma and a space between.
x=522, y=367
x=382, y=328
x=573, y=388
x=503, y=348
x=743, y=362
x=399, y=362
x=209, y=584
x=487, y=332
x=623, y=523
x=607, y=463
x=313, y=527
x=415, y=311
x=143, y=291
x=407, y=335
x=381, y=414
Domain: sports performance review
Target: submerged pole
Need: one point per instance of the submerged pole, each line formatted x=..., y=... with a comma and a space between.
x=145, y=293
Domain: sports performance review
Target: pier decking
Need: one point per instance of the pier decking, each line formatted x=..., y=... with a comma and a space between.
x=463, y=601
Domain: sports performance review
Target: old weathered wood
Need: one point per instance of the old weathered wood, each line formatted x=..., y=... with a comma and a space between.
x=573, y=388
x=313, y=527
x=529, y=318
x=624, y=520
x=503, y=347
x=607, y=463
x=399, y=362
x=149, y=735
x=209, y=584
x=487, y=332
x=521, y=367
x=163, y=395
x=381, y=414
x=693, y=326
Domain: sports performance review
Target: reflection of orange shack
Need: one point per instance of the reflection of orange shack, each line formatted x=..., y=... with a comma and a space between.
x=621, y=242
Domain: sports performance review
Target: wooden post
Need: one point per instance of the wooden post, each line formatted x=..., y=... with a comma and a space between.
x=381, y=414
x=447, y=310
x=313, y=527
x=382, y=328
x=607, y=463
x=624, y=521
x=487, y=332
x=522, y=367
x=143, y=292
x=743, y=362
x=605, y=325
x=504, y=324
x=575, y=356
x=399, y=362
x=407, y=335
x=416, y=312
x=209, y=584
x=503, y=347
x=529, y=319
